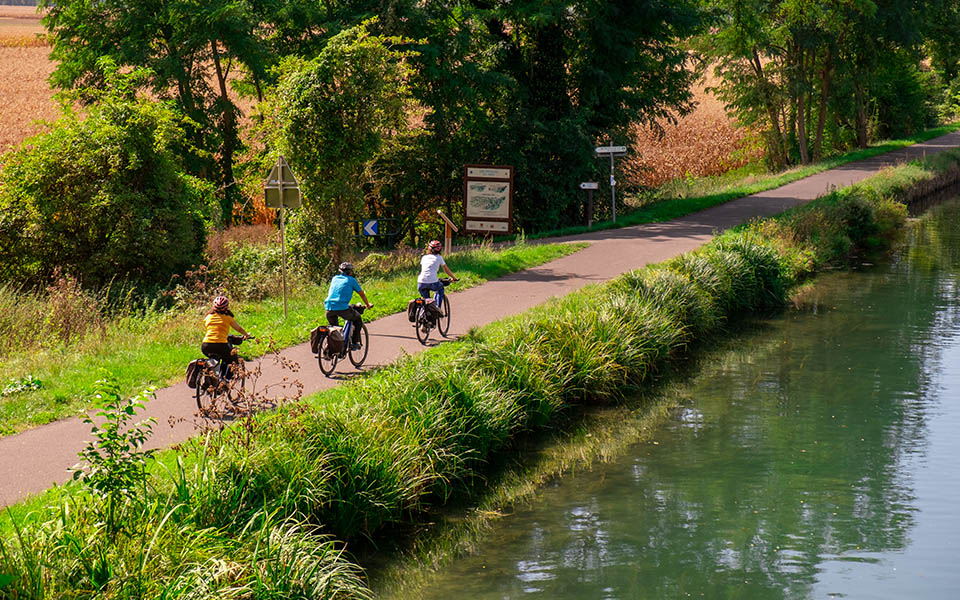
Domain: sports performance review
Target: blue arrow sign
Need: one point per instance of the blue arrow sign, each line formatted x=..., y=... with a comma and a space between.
x=370, y=227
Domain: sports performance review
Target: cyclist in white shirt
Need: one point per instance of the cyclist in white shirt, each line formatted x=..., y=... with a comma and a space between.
x=430, y=266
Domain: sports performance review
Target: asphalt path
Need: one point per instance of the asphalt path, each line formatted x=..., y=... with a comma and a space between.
x=35, y=460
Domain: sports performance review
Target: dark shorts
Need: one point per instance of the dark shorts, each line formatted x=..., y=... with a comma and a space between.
x=350, y=315
x=222, y=352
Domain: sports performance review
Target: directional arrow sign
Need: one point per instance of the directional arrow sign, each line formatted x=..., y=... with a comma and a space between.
x=281, y=182
x=370, y=227
x=610, y=150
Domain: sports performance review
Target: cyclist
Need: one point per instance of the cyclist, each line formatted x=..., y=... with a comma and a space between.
x=430, y=265
x=342, y=287
x=218, y=322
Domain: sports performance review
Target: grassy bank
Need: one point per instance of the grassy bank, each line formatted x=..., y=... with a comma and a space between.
x=152, y=347
x=266, y=513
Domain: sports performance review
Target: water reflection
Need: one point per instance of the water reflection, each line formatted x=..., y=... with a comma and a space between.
x=815, y=460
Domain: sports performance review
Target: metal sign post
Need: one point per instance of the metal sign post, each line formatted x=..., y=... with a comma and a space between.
x=448, y=227
x=590, y=186
x=282, y=190
x=612, y=151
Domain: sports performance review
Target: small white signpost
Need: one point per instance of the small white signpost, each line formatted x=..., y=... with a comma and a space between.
x=281, y=190
x=611, y=151
x=590, y=186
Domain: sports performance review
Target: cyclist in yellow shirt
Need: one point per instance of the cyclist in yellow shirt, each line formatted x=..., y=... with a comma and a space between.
x=218, y=322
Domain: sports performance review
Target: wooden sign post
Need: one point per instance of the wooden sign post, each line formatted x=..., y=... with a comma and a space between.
x=448, y=229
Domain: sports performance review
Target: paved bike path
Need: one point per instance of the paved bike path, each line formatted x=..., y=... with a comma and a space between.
x=34, y=460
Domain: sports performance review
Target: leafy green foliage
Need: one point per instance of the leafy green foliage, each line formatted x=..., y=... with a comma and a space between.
x=114, y=466
x=102, y=197
x=332, y=115
x=818, y=77
x=191, y=49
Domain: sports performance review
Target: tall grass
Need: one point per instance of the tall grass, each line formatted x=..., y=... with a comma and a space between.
x=272, y=516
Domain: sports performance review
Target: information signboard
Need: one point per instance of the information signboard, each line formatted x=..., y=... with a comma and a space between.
x=488, y=199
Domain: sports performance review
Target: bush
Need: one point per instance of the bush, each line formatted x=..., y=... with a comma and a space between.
x=101, y=197
x=254, y=271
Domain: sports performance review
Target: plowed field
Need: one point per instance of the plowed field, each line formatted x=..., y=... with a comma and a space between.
x=25, y=66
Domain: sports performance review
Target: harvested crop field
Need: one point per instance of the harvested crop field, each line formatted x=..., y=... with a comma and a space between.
x=705, y=142
x=25, y=66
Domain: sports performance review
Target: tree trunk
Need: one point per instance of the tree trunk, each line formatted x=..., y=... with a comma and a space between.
x=228, y=143
x=826, y=78
x=860, y=98
x=802, y=109
x=779, y=155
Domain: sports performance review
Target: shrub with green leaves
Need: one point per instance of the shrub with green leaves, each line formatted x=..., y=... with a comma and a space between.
x=102, y=196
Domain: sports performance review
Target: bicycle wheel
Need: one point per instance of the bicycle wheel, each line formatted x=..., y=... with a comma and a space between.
x=326, y=359
x=238, y=382
x=358, y=356
x=423, y=327
x=443, y=321
x=207, y=393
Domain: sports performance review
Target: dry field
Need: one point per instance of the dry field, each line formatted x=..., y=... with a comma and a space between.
x=705, y=142
x=25, y=96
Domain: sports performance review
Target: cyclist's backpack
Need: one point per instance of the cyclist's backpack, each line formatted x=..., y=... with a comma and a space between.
x=194, y=370
x=412, y=307
x=316, y=338
x=335, y=339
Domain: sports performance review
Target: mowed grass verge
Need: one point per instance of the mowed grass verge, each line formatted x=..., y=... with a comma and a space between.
x=152, y=348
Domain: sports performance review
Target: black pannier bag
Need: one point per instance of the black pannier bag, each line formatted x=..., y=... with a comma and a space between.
x=316, y=338
x=335, y=340
x=194, y=370
x=412, y=307
x=433, y=311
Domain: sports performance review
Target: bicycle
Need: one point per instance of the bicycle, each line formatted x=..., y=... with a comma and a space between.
x=425, y=321
x=212, y=384
x=327, y=358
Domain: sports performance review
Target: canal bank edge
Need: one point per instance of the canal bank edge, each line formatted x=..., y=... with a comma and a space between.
x=387, y=452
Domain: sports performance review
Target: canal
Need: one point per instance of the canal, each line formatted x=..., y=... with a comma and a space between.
x=815, y=457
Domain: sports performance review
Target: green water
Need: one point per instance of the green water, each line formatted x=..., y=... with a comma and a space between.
x=816, y=458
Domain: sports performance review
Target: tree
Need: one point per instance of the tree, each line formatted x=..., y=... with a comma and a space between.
x=103, y=196
x=535, y=84
x=191, y=48
x=332, y=115
x=799, y=69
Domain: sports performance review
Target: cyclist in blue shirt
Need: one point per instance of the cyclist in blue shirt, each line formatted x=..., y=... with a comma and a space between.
x=342, y=287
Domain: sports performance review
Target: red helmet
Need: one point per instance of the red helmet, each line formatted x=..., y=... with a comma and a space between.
x=220, y=302
x=434, y=246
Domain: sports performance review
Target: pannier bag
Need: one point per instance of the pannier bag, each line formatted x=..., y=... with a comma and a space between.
x=432, y=310
x=335, y=340
x=194, y=370
x=412, y=307
x=432, y=307
x=316, y=338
